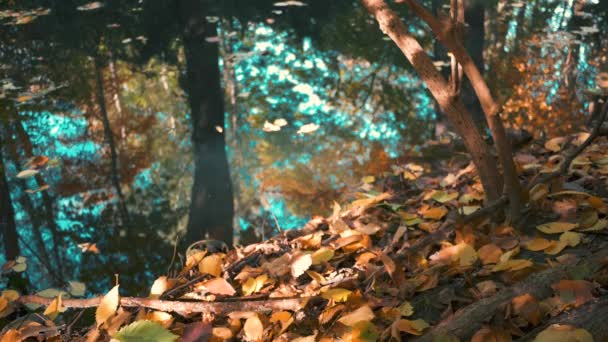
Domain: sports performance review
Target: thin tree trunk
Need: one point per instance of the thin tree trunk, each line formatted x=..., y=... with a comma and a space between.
x=7, y=216
x=391, y=25
x=445, y=33
x=212, y=208
x=109, y=137
x=474, y=12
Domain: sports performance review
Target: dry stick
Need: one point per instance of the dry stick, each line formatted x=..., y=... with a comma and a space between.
x=465, y=322
x=181, y=307
x=447, y=34
x=591, y=317
x=391, y=24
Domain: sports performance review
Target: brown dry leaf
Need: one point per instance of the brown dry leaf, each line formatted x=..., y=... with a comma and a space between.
x=310, y=241
x=576, y=292
x=359, y=206
x=107, y=306
x=554, y=145
x=363, y=313
x=556, y=227
x=300, y=264
x=435, y=213
x=329, y=313
x=512, y=265
x=556, y=247
x=279, y=266
x=444, y=196
x=284, y=318
x=494, y=334
x=489, y=254
x=222, y=333
x=162, y=318
x=563, y=333
x=537, y=244
x=527, y=307
x=595, y=202
x=486, y=288
x=211, y=264
x=11, y=335
x=539, y=192
x=217, y=286
x=462, y=253
x=322, y=255
x=364, y=258
x=253, y=330
x=415, y=327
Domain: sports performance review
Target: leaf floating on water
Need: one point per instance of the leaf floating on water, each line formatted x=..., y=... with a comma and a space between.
x=90, y=6
x=308, y=128
x=290, y=3
x=33, y=191
x=27, y=173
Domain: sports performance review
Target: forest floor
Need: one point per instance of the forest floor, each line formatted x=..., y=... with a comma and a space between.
x=415, y=256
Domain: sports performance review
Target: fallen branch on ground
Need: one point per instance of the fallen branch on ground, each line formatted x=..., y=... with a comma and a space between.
x=181, y=307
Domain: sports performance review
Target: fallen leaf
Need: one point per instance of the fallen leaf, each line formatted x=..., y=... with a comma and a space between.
x=576, y=292
x=218, y=286
x=527, y=307
x=363, y=313
x=300, y=264
x=489, y=254
x=107, y=306
x=537, y=244
x=336, y=294
x=435, y=213
x=563, y=333
x=145, y=331
x=556, y=227
x=415, y=327
x=253, y=329
x=211, y=264
x=322, y=255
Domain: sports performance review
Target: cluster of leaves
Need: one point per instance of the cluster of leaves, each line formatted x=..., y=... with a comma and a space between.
x=360, y=275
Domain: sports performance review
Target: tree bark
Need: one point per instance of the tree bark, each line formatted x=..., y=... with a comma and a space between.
x=212, y=207
x=453, y=107
x=474, y=15
x=109, y=137
x=7, y=216
x=447, y=34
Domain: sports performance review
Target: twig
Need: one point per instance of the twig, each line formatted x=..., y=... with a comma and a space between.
x=181, y=307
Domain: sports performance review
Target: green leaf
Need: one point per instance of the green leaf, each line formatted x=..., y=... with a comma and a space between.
x=144, y=331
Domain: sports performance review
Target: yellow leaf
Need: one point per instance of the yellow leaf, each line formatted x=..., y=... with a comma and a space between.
x=253, y=285
x=319, y=278
x=54, y=309
x=406, y=309
x=211, y=264
x=363, y=313
x=539, y=191
x=563, y=333
x=253, y=329
x=444, y=196
x=300, y=264
x=369, y=179
x=599, y=225
x=537, y=244
x=572, y=239
x=322, y=255
x=553, y=145
x=3, y=304
x=160, y=286
x=556, y=227
x=107, y=306
x=462, y=253
x=337, y=294
x=10, y=295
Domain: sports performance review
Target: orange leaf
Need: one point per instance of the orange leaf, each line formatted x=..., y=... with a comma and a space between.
x=489, y=254
x=218, y=286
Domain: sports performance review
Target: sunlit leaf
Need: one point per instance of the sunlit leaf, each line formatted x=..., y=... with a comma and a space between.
x=253, y=329
x=556, y=227
x=55, y=308
x=218, y=286
x=322, y=255
x=337, y=294
x=363, y=313
x=107, y=306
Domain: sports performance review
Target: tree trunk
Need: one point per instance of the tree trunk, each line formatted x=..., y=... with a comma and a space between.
x=109, y=137
x=452, y=106
x=7, y=216
x=211, y=208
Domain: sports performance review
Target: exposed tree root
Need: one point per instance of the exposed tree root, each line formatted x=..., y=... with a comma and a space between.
x=465, y=322
x=591, y=317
